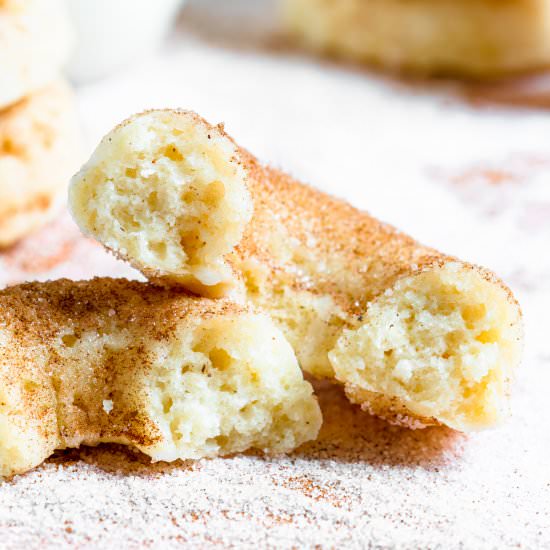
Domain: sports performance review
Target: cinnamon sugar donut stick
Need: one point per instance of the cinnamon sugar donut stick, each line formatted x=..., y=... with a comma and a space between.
x=174, y=376
x=414, y=336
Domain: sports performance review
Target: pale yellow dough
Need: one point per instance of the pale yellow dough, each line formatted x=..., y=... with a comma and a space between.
x=414, y=336
x=35, y=42
x=168, y=195
x=477, y=38
x=39, y=150
x=175, y=376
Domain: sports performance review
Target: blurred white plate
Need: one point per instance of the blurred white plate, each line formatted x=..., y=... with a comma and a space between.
x=111, y=33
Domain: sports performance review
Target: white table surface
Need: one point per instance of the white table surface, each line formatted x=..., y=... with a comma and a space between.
x=471, y=180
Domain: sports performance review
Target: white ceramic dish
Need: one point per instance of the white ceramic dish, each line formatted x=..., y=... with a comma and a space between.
x=111, y=33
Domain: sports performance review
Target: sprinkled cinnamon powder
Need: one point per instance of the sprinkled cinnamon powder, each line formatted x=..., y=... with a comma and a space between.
x=363, y=483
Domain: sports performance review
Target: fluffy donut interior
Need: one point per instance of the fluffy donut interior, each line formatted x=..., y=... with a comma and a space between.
x=220, y=386
x=442, y=343
x=21, y=445
x=166, y=191
x=228, y=387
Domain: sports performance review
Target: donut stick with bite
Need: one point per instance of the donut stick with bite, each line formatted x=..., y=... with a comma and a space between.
x=172, y=375
x=414, y=336
x=475, y=38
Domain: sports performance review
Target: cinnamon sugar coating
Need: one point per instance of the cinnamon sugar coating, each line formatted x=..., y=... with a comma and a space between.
x=441, y=349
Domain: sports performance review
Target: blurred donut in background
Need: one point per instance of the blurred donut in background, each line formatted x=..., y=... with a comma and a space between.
x=39, y=151
x=469, y=38
x=35, y=42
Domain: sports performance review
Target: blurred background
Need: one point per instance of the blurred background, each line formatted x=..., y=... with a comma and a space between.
x=385, y=140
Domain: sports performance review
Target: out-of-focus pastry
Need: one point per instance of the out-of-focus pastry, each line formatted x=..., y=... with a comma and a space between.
x=39, y=150
x=172, y=375
x=414, y=336
x=477, y=38
x=35, y=42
